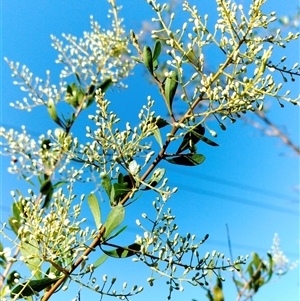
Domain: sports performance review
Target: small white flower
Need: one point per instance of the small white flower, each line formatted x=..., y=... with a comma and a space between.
x=134, y=168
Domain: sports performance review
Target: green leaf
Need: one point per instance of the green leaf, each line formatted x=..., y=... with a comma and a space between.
x=30, y=251
x=156, y=50
x=238, y=283
x=120, y=178
x=106, y=184
x=114, y=219
x=31, y=287
x=187, y=159
x=147, y=57
x=218, y=294
x=256, y=260
x=105, y=85
x=17, y=209
x=14, y=224
x=156, y=177
x=117, y=233
x=156, y=53
x=46, y=187
x=95, y=208
x=48, y=198
x=27, y=179
x=208, y=141
x=250, y=270
x=72, y=95
x=160, y=122
x=12, y=279
x=118, y=191
x=157, y=137
x=270, y=267
x=124, y=252
x=78, y=78
x=192, y=137
x=52, y=111
x=137, y=59
x=59, y=184
x=100, y=261
x=170, y=88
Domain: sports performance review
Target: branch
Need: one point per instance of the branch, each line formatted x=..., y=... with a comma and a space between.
x=275, y=131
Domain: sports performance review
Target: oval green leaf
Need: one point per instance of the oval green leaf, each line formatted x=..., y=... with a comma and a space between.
x=156, y=50
x=32, y=257
x=124, y=252
x=147, y=57
x=170, y=88
x=100, y=261
x=46, y=187
x=114, y=219
x=52, y=111
x=31, y=287
x=95, y=209
x=14, y=224
x=187, y=160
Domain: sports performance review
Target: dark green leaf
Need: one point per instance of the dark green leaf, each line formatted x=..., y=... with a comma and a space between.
x=147, y=57
x=170, y=88
x=192, y=137
x=156, y=50
x=270, y=267
x=95, y=209
x=120, y=189
x=46, y=187
x=46, y=144
x=78, y=78
x=123, y=252
x=48, y=198
x=120, y=178
x=114, y=219
x=105, y=85
x=160, y=122
x=31, y=287
x=91, y=91
x=187, y=159
x=208, y=141
x=12, y=278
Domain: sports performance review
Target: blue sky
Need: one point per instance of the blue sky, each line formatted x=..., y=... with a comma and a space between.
x=249, y=182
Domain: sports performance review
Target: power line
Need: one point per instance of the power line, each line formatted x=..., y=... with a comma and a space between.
x=242, y=186
x=237, y=199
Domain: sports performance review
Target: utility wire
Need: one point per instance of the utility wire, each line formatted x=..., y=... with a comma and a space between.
x=239, y=185
x=235, y=199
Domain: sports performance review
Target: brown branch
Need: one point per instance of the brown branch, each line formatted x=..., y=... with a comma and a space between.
x=57, y=284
